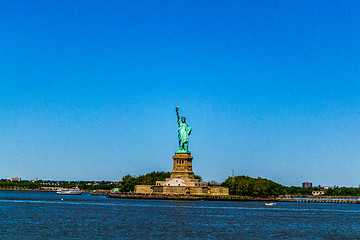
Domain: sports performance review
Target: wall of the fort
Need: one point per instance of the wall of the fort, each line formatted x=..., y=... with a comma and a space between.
x=175, y=189
x=143, y=189
x=219, y=191
x=183, y=190
x=158, y=189
x=198, y=190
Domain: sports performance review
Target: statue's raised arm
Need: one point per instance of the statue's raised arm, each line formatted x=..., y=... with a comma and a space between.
x=183, y=133
x=177, y=113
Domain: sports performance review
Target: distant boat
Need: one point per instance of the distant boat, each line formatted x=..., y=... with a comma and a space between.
x=69, y=191
x=270, y=204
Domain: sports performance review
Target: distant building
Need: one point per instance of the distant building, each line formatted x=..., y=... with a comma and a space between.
x=15, y=179
x=306, y=185
x=317, y=193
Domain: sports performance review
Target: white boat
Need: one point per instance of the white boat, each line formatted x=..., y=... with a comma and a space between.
x=69, y=191
x=270, y=204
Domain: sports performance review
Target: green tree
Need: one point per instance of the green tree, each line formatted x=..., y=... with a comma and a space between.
x=254, y=187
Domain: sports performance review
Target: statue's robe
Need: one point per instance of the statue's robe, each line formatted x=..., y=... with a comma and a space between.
x=183, y=133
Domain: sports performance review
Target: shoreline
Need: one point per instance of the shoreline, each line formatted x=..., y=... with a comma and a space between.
x=349, y=200
x=188, y=197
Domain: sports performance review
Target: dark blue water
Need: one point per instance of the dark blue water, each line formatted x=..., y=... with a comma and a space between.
x=42, y=215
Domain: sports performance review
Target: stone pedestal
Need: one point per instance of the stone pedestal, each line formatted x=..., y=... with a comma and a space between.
x=182, y=167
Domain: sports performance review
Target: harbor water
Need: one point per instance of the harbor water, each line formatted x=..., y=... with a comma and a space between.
x=45, y=215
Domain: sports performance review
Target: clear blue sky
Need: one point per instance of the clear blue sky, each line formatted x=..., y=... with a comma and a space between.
x=270, y=88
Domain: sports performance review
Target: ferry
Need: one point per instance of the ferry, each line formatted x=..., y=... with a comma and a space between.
x=69, y=191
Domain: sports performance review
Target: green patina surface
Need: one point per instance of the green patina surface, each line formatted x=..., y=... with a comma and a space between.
x=183, y=134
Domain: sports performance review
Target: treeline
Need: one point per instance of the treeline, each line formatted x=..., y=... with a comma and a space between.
x=129, y=182
x=339, y=191
x=5, y=184
x=343, y=191
x=261, y=187
x=253, y=187
x=299, y=190
x=83, y=185
x=238, y=185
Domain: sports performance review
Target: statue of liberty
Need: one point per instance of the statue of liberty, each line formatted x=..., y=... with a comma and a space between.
x=183, y=133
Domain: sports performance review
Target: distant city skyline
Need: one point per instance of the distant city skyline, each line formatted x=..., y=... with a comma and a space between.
x=89, y=89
